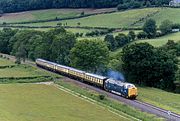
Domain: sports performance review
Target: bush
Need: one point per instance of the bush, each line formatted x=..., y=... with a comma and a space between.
x=123, y=6
x=101, y=97
x=18, y=61
x=141, y=35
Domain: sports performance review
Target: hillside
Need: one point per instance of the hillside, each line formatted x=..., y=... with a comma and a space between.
x=130, y=18
x=112, y=20
x=48, y=14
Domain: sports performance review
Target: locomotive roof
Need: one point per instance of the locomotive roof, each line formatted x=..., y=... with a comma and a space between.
x=97, y=76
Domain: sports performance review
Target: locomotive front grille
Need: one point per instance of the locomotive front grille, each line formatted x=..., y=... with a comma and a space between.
x=132, y=92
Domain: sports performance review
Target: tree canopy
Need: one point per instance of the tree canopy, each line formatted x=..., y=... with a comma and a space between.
x=150, y=28
x=144, y=64
x=90, y=55
x=24, y=5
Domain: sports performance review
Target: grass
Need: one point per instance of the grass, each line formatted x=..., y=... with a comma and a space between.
x=160, y=98
x=77, y=30
x=20, y=71
x=4, y=62
x=48, y=14
x=13, y=73
x=162, y=40
x=166, y=14
x=113, y=20
x=30, y=102
x=109, y=102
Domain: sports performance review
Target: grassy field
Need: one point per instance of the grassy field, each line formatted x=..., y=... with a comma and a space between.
x=160, y=98
x=162, y=40
x=13, y=73
x=48, y=14
x=30, y=102
x=76, y=30
x=121, y=19
x=164, y=14
x=115, y=20
x=5, y=62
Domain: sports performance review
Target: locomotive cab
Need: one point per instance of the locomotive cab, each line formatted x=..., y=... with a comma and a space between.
x=132, y=91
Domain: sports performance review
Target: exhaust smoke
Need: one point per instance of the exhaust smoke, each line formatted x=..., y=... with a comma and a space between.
x=115, y=75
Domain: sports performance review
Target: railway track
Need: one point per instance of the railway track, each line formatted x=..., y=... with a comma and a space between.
x=170, y=116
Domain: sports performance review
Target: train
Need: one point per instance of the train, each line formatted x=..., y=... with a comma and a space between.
x=123, y=89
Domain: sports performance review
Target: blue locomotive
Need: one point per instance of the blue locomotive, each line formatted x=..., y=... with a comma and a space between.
x=126, y=90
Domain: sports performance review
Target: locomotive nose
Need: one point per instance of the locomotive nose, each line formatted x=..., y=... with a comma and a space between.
x=132, y=92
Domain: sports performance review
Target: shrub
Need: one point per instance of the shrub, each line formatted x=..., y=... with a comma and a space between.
x=101, y=97
x=142, y=35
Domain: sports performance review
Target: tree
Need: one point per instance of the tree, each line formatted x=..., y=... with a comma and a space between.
x=150, y=28
x=34, y=42
x=121, y=40
x=5, y=36
x=111, y=42
x=61, y=46
x=90, y=55
x=123, y=6
x=166, y=27
x=144, y=64
x=148, y=4
x=132, y=35
x=21, y=53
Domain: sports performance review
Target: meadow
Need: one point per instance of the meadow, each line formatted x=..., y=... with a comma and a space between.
x=5, y=62
x=112, y=20
x=157, y=42
x=129, y=18
x=47, y=14
x=32, y=102
x=14, y=73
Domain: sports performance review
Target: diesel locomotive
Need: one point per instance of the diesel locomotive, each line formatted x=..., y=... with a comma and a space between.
x=126, y=90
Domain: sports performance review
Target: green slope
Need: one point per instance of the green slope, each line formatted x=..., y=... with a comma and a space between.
x=113, y=20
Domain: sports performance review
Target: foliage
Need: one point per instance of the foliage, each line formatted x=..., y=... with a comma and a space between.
x=111, y=42
x=61, y=46
x=150, y=28
x=141, y=35
x=132, y=35
x=146, y=65
x=130, y=4
x=90, y=55
x=5, y=36
x=101, y=97
x=15, y=6
x=166, y=27
x=122, y=40
x=172, y=47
